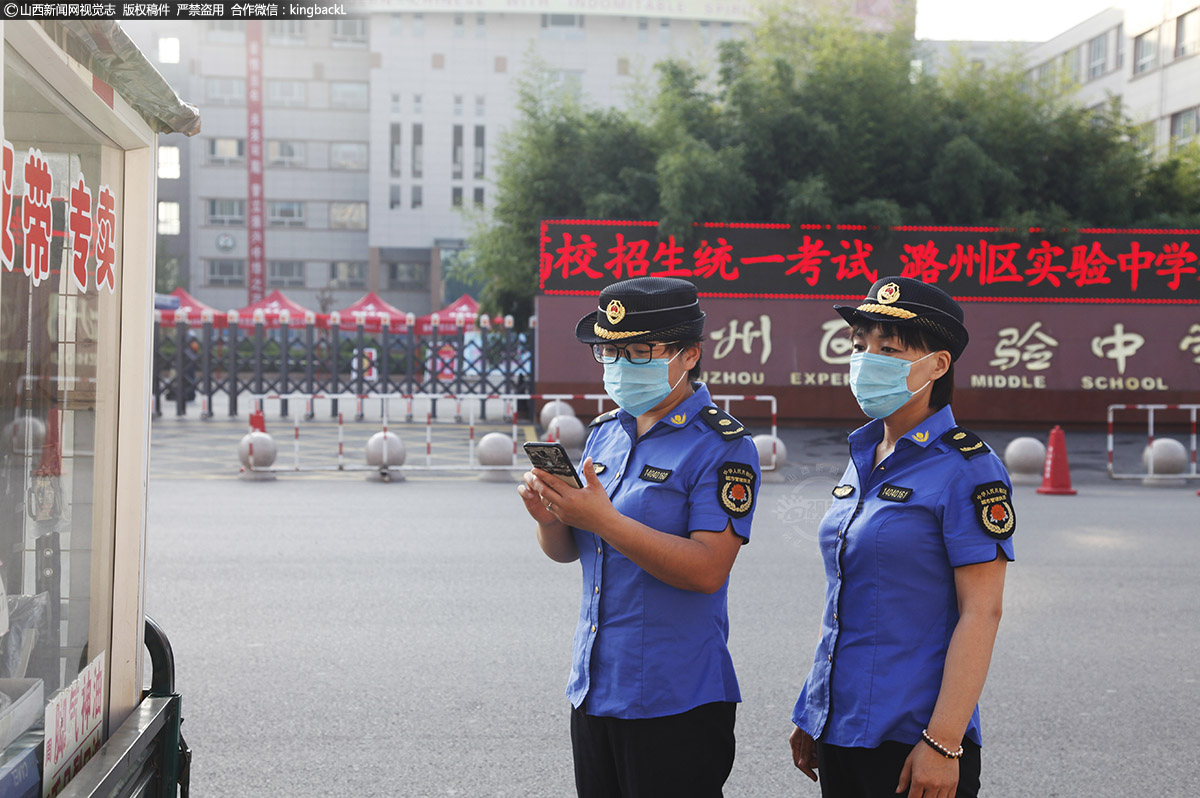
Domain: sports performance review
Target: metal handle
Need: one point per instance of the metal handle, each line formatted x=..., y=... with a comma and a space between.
x=162, y=659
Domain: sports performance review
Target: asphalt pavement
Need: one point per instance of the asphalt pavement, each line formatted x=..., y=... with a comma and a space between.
x=340, y=636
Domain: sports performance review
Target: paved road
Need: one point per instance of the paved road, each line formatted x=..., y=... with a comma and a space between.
x=336, y=636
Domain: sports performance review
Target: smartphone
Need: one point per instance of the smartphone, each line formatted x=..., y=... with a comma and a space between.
x=552, y=457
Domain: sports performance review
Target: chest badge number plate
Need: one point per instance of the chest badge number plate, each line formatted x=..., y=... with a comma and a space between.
x=895, y=493
x=652, y=474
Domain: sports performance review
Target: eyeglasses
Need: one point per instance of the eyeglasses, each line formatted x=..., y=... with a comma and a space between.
x=637, y=354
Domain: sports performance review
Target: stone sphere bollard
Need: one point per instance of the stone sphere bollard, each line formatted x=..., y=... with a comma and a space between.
x=385, y=449
x=25, y=428
x=495, y=449
x=264, y=455
x=1168, y=456
x=551, y=410
x=567, y=430
x=1025, y=459
x=764, y=444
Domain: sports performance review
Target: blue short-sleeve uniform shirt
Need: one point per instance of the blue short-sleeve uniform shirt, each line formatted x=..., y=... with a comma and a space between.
x=890, y=543
x=643, y=648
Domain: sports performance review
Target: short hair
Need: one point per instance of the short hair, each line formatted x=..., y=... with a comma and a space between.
x=679, y=346
x=942, y=392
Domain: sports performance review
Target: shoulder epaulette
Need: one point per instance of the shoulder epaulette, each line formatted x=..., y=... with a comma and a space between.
x=966, y=442
x=729, y=427
x=600, y=419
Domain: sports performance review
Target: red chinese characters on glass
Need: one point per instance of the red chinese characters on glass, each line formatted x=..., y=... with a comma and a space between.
x=105, y=219
x=667, y=254
x=575, y=259
x=808, y=259
x=80, y=225
x=712, y=260
x=854, y=262
x=1175, y=259
x=1043, y=267
x=1089, y=266
x=8, y=246
x=629, y=259
x=37, y=220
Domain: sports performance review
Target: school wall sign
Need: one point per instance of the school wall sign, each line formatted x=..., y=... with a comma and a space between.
x=1062, y=322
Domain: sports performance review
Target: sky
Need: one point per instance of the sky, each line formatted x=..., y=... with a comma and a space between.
x=1003, y=20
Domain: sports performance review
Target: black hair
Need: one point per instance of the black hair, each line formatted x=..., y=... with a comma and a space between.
x=942, y=392
x=682, y=344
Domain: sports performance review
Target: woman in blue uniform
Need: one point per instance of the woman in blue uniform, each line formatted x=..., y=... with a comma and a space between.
x=915, y=547
x=669, y=494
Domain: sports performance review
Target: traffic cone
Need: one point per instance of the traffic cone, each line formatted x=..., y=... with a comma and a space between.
x=1056, y=475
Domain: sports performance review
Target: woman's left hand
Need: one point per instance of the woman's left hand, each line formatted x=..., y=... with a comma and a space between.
x=584, y=508
x=928, y=774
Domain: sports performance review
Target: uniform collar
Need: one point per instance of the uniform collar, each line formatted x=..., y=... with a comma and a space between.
x=925, y=433
x=682, y=414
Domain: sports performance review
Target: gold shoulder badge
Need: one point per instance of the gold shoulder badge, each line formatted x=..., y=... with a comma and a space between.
x=920, y=437
x=889, y=294
x=722, y=422
x=842, y=491
x=966, y=442
x=735, y=488
x=679, y=419
x=993, y=508
x=615, y=312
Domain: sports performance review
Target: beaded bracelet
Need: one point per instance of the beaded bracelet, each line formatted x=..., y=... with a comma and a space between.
x=941, y=749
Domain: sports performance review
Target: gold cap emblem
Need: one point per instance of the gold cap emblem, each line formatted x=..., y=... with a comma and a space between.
x=615, y=312
x=889, y=294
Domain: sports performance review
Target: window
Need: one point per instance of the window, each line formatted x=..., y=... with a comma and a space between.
x=416, y=104
x=348, y=274
x=225, y=30
x=349, y=33
x=397, y=26
x=458, y=104
x=664, y=31
x=226, y=151
x=439, y=61
x=479, y=148
x=287, y=93
x=417, y=199
x=348, y=215
x=346, y=94
x=1069, y=64
x=347, y=155
x=501, y=64
x=168, y=218
x=285, y=273
x=1044, y=75
x=562, y=26
x=568, y=81
x=231, y=212
x=480, y=26
x=394, y=152
x=418, y=25
x=1145, y=51
x=285, y=214
x=168, y=50
x=1145, y=137
x=456, y=153
x=394, y=196
x=226, y=91
x=226, y=272
x=285, y=153
x=643, y=30
x=623, y=66
x=407, y=275
x=456, y=197
x=1187, y=33
x=1097, y=56
x=726, y=31
x=395, y=102
x=285, y=31
x=479, y=197
x=1120, y=46
x=460, y=26
x=480, y=104
x=1184, y=126
x=418, y=151
x=168, y=162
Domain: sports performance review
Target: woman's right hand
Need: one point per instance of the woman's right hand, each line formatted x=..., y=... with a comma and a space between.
x=804, y=752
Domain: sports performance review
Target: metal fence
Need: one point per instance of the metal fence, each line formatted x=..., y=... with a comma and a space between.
x=209, y=362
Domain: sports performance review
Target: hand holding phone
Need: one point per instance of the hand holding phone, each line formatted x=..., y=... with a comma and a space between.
x=553, y=458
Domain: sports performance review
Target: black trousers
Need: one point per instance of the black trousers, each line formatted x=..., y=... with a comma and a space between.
x=874, y=772
x=678, y=756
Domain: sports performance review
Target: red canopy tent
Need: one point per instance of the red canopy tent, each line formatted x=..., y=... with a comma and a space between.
x=373, y=310
x=190, y=310
x=464, y=307
x=271, y=306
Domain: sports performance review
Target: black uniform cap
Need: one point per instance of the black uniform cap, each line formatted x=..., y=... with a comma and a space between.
x=644, y=309
x=906, y=302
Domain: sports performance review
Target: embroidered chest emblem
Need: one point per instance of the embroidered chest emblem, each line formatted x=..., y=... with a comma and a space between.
x=735, y=488
x=994, y=510
x=652, y=474
x=895, y=493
